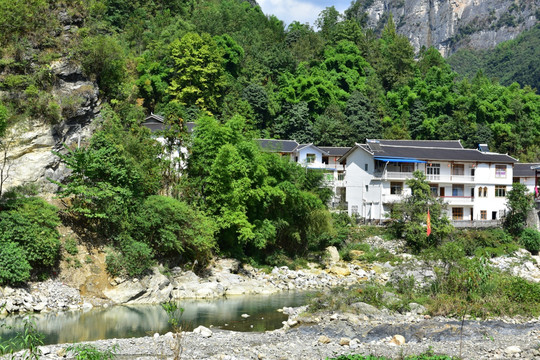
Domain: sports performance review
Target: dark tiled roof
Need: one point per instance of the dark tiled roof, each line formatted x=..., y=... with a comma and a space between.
x=334, y=151
x=278, y=145
x=155, y=123
x=434, y=153
x=524, y=169
x=450, y=144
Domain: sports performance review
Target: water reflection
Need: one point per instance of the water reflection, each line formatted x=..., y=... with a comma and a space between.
x=140, y=320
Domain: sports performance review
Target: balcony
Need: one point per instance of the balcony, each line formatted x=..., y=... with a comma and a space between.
x=398, y=175
x=393, y=175
x=317, y=165
x=457, y=200
x=450, y=178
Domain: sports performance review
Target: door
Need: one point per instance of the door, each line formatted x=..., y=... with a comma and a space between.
x=442, y=191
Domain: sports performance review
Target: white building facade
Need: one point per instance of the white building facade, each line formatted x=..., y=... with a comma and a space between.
x=472, y=183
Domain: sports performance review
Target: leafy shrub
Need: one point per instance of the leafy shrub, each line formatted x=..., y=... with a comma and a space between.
x=103, y=58
x=90, y=352
x=70, y=245
x=171, y=227
x=522, y=291
x=530, y=239
x=31, y=223
x=14, y=269
x=133, y=259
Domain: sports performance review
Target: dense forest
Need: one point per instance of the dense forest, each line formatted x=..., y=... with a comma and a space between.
x=240, y=75
x=511, y=61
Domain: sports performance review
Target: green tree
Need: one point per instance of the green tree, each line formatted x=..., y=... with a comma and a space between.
x=519, y=202
x=14, y=268
x=172, y=228
x=260, y=202
x=198, y=74
x=3, y=120
x=397, y=63
x=409, y=217
x=103, y=58
x=110, y=176
x=30, y=223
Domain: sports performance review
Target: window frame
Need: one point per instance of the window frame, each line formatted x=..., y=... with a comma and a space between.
x=501, y=171
x=457, y=213
x=500, y=190
x=483, y=214
x=395, y=185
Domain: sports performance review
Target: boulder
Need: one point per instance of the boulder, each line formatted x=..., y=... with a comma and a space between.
x=339, y=270
x=511, y=350
x=203, y=331
x=417, y=308
x=366, y=309
x=398, y=340
x=323, y=339
x=125, y=292
x=331, y=255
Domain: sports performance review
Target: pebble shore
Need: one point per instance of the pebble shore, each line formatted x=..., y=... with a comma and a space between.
x=367, y=331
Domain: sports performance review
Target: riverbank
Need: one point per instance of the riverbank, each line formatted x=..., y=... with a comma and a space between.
x=227, y=277
x=331, y=334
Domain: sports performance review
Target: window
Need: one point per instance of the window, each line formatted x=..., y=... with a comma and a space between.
x=310, y=158
x=433, y=171
x=366, y=167
x=434, y=190
x=500, y=171
x=367, y=188
x=482, y=191
x=341, y=176
x=458, y=169
x=500, y=191
x=457, y=213
x=396, y=188
x=483, y=214
x=325, y=160
x=457, y=189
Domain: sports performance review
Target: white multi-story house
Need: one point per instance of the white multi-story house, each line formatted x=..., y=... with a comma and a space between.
x=472, y=182
x=314, y=157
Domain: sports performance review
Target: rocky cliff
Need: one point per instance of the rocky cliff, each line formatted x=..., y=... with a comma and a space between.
x=452, y=24
x=30, y=145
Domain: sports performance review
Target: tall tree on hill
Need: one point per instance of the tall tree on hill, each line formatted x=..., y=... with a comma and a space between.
x=198, y=78
x=397, y=63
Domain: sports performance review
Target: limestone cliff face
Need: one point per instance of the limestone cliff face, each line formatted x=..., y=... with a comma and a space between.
x=30, y=144
x=451, y=24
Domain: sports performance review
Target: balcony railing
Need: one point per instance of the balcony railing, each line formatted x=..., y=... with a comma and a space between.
x=318, y=165
x=398, y=175
x=457, y=199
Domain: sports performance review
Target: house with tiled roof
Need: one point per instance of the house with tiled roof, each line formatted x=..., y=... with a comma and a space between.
x=325, y=158
x=473, y=183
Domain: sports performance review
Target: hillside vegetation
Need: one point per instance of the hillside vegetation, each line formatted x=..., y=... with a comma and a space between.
x=511, y=61
x=240, y=75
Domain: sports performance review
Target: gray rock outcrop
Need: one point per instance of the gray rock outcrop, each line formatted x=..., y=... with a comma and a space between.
x=31, y=143
x=451, y=24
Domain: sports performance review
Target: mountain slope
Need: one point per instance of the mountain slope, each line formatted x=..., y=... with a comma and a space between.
x=511, y=61
x=449, y=25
